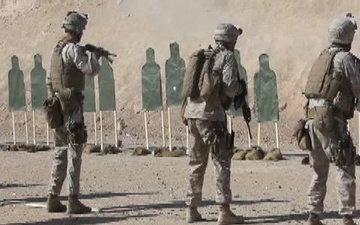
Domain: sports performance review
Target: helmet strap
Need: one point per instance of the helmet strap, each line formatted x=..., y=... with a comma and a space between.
x=73, y=36
x=226, y=45
x=345, y=47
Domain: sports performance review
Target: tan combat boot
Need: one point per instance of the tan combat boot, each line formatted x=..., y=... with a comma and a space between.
x=226, y=216
x=314, y=219
x=76, y=207
x=193, y=215
x=53, y=204
x=348, y=220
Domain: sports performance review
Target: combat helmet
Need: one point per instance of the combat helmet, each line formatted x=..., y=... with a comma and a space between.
x=75, y=22
x=342, y=30
x=227, y=32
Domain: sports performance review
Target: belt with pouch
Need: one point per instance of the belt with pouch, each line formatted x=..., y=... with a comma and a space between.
x=322, y=107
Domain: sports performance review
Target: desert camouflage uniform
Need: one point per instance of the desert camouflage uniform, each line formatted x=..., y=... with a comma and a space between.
x=68, y=150
x=325, y=141
x=207, y=125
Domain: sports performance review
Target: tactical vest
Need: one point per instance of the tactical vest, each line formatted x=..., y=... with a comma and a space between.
x=324, y=83
x=64, y=76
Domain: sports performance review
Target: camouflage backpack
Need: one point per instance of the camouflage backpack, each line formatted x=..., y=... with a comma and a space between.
x=197, y=80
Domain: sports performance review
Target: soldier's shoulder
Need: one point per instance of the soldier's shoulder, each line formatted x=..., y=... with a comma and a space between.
x=344, y=56
x=226, y=55
x=227, y=52
x=69, y=46
x=74, y=48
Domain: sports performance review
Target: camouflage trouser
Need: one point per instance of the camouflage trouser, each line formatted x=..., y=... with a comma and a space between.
x=67, y=158
x=202, y=133
x=323, y=143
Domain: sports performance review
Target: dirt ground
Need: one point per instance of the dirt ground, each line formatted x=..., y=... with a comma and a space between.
x=147, y=190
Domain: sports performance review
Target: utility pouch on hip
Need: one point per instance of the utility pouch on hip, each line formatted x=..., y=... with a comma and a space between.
x=323, y=117
x=77, y=133
x=345, y=153
x=69, y=99
x=345, y=105
x=224, y=146
x=301, y=133
x=53, y=113
x=220, y=138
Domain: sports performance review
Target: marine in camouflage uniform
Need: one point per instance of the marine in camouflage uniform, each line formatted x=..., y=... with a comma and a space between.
x=207, y=124
x=332, y=86
x=70, y=64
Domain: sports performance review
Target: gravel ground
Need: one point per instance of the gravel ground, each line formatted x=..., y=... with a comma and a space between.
x=148, y=190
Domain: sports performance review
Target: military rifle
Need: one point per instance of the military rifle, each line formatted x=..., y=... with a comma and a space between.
x=100, y=52
x=240, y=101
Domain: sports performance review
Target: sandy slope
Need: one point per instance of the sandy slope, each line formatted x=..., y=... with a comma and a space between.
x=291, y=32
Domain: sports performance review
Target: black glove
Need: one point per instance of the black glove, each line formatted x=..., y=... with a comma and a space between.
x=240, y=99
x=246, y=112
x=243, y=87
x=99, y=51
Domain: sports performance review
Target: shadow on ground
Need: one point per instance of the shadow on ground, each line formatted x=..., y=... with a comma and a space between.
x=3, y=186
x=181, y=204
x=295, y=154
x=81, y=220
x=153, y=210
x=15, y=201
x=299, y=217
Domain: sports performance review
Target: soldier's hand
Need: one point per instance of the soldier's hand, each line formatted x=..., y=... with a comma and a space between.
x=246, y=113
x=238, y=100
x=243, y=86
x=99, y=51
